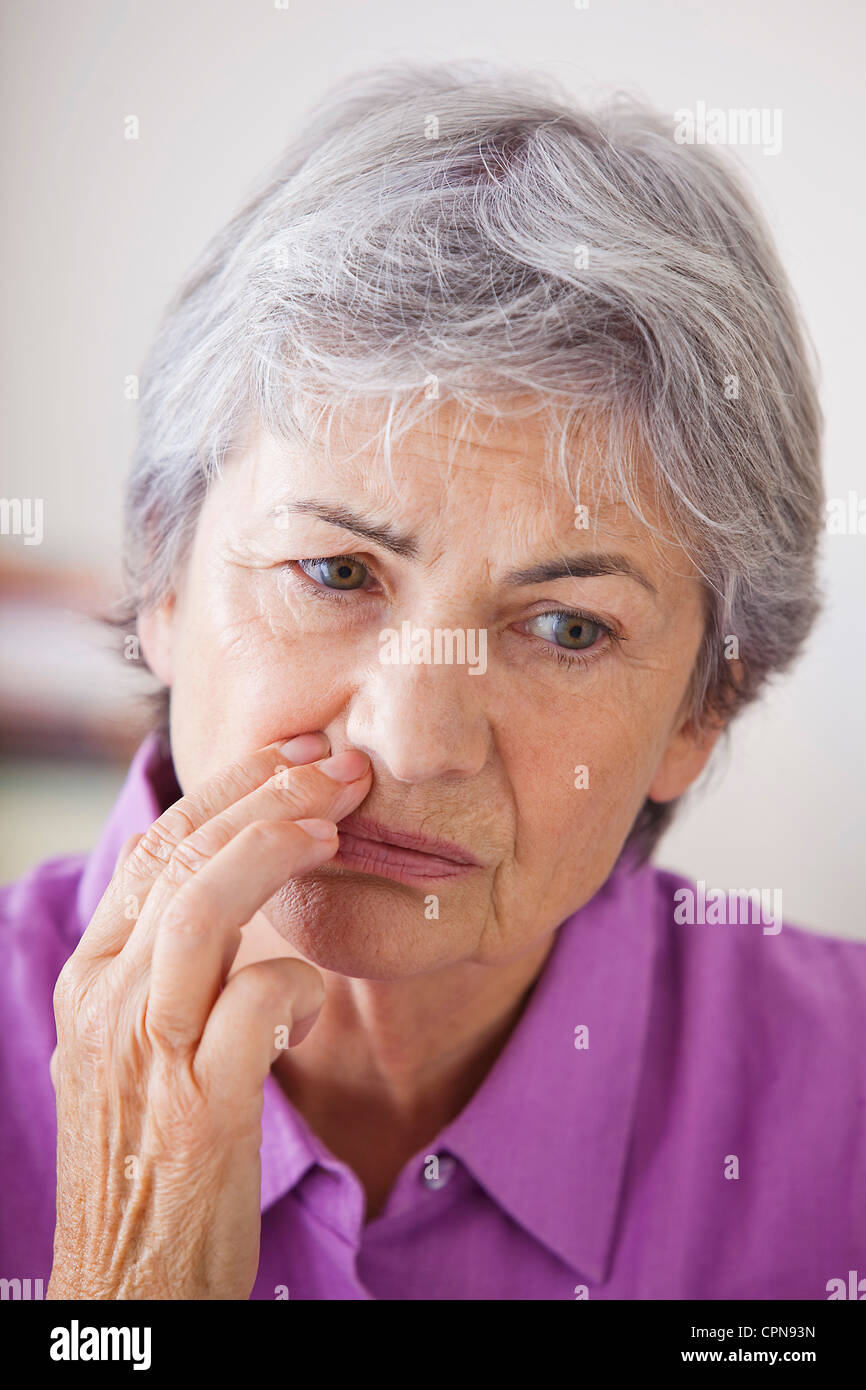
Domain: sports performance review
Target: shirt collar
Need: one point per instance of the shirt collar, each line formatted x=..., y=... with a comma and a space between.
x=547, y=1133
x=149, y=789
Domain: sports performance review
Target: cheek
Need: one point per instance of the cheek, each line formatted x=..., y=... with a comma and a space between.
x=243, y=679
x=580, y=776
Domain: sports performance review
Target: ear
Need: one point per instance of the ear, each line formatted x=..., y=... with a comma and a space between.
x=156, y=635
x=684, y=759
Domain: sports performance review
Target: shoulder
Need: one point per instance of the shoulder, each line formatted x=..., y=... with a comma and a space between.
x=791, y=989
x=751, y=1103
x=39, y=929
x=48, y=892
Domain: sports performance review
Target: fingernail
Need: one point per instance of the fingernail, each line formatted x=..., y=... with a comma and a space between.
x=306, y=748
x=346, y=767
x=318, y=829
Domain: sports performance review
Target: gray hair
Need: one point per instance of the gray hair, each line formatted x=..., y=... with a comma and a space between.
x=471, y=226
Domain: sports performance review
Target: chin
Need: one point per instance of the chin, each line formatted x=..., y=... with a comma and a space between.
x=371, y=928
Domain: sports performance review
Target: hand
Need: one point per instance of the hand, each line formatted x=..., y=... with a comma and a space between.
x=161, y=1061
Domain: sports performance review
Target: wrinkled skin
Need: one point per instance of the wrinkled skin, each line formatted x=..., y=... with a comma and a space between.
x=257, y=649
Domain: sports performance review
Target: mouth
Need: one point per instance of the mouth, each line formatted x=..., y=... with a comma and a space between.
x=405, y=856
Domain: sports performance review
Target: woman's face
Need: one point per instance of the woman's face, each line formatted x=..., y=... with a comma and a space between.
x=534, y=759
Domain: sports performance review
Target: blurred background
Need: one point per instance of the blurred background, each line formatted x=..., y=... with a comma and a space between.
x=99, y=229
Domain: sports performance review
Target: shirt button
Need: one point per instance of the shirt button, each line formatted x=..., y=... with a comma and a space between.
x=438, y=1170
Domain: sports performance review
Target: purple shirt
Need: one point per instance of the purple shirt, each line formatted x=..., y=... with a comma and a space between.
x=603, y=1170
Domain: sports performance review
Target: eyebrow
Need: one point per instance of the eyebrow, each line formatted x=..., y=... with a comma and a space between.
x=386, y=536
x=591, y=565
x=587, y=566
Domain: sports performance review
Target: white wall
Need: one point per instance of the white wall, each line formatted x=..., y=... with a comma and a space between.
x=98, y=230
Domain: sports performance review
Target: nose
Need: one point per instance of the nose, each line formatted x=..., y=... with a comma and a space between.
x=421, y=722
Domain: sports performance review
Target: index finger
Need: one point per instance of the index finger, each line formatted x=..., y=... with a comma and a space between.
x=126, y=893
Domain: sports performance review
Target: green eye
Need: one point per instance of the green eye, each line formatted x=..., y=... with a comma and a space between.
x=337, y=572
x=568, y=630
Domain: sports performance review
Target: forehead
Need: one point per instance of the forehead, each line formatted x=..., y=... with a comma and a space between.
x=456, y=481
x=456, y=462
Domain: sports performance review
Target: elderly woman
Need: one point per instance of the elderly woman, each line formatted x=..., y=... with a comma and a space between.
x=477, y=490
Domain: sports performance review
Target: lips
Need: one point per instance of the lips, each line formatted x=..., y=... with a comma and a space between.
x=403, y=855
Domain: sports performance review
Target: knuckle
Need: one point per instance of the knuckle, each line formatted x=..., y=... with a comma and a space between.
x=194, y=853
x=297, y=789
x=81, y=1012
x=266, y=835
x=167, y=1039
x=168, y=1043
x=189, y=856
x=190, y=913
x=65, y=989
x=167, y=1036
x=159, y=842
x=230, y=782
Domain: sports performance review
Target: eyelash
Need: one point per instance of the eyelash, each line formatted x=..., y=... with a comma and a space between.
x=559, y=654
x=562, y=655
x=320, y=591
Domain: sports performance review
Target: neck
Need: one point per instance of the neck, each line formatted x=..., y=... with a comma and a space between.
x=389, y=1064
